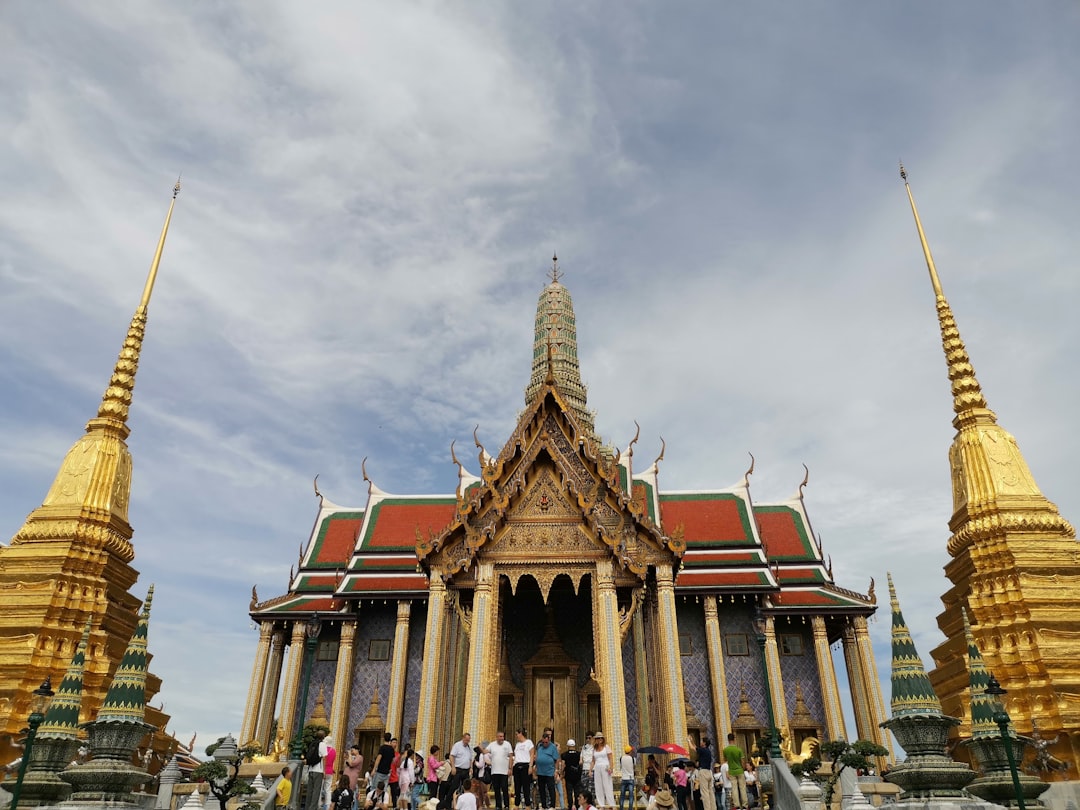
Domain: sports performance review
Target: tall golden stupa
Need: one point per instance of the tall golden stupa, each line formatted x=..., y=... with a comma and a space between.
x=71, y=560
x=1014, y=564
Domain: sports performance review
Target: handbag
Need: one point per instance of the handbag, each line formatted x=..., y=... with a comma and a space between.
x=444, y=771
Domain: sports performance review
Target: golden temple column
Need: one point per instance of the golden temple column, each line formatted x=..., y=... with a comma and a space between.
x=432, y=667
x=395, y=698
x=830, y=691
x=270, y=690
x=339, y=708
x=776, y=678
x=670, y=671
x=608, y=659
x=641, y=673
x=289, y=694
x=717, y=675
x=478, y=673
x=872, y=685
x=857, y=684
x=257, y=682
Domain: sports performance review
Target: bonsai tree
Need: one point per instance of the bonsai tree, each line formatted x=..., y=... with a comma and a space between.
x=221, y=774
x=843, y=754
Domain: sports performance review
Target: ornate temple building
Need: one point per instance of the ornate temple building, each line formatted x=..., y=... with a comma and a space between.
x=1014, y=566
x=562, y=586
x=70, y=563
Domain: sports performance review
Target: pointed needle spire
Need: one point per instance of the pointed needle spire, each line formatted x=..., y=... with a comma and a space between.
x=555, y=272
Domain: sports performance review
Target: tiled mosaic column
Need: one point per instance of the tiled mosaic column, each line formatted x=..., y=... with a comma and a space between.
x=863, y=721
x=289, y=694
x=717, y=675
x=257, y=682
x=670, y=671
x=432, y=669
x=608, y=658
x=478, y=674
x=776, y=678
x=872, y=687
x=641, y=671
x=395, y=698
x=270, y=690
x=339, y=707
x=830, y=690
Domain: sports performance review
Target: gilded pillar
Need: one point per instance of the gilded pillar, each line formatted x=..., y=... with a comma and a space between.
x=852, y=660
x=830, y=691
x=872, y=686
x=641, y=672
x=395, y=698
x=270, y=690
x=608, y=660
x=776, y=678
x=339, y=707
x=478, y=673
x=255, y=685
x=289, y=696
x=670, y=671
x=432, y=667
x=717, y=675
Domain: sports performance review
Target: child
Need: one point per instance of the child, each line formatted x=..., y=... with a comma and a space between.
x=284, y=789
x=342, y=797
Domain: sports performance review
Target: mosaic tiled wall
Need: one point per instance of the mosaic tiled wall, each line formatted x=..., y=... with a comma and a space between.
x=414, y=668
x=801, y=670
x=690, y=617
x=525, y=618
x=375, y=622
x=633, y=720
x=742, y=670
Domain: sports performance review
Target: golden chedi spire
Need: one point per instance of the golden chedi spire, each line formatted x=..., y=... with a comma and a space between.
x=72, y=556
x=1015, y=563
x=555, y=350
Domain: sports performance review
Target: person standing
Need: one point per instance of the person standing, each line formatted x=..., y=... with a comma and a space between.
x=736, y=762
x=587, y=782
x=283, y=791
x=626, y=772
x=601, y=769
x=406, y=775
x=353, y=767
x=682, y=786
x=500, y=752
x=571, y=760
x=705, y=774
x=432, y=774
x=461, y=754
x=392, y=777
x=314, y=758
x=380, y=769
x=545, y=757
x=328, y=771
x=523, y=760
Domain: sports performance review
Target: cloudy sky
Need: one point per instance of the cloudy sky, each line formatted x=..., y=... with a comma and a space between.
x=371, y=196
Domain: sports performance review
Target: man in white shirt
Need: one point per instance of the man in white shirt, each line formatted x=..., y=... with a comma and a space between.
x=626, y=768
x=461, y=754
x=523, y=760
x=501, y=752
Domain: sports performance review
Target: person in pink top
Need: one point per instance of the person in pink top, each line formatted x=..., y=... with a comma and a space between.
x=682, y=786
x=431, y=776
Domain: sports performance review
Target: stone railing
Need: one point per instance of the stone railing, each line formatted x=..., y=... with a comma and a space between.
x=785, y=787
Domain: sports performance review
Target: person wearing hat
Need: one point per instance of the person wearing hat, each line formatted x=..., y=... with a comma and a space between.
x=601, y=771
x=626, y=768
x=571, y=768
x=662, y=800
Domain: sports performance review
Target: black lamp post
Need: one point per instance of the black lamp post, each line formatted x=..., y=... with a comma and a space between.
x=311, y=642
x=760, y=625
x=1001, y=717
x=38, y=705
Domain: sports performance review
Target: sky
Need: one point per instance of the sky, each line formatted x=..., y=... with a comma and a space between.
x=372, y=194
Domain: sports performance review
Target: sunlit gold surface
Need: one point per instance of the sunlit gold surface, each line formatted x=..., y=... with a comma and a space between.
x=71, y=558
x=1015, y=565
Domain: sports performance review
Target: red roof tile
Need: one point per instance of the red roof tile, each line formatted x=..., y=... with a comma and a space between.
x=716, y=558
x=389, y=582
x=798, y=598
x=782, y=533
x=721, y=578
x=706, y=518
x=394, y=521
x=337, y=538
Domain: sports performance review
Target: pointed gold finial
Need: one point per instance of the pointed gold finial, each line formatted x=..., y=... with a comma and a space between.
x=117, y=398
x=966, y=391
x=555, y=273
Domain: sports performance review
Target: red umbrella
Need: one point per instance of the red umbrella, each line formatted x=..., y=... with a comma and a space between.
x=672, y=748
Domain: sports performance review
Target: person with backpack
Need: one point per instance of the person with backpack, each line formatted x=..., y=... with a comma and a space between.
x=313, y=758
x=342, y=798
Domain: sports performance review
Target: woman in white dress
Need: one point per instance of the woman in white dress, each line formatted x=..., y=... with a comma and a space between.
x=601, y=768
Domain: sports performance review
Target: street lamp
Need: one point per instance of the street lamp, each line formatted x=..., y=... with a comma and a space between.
x=311, y=642
x=1001, y=717
x=760, y=625
x=39, y=703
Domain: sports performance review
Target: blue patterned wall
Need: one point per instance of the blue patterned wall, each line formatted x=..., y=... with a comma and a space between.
x=690, y=617
x=375, y=622
x=414, y=668
x=633, y=721
x=801, y=669
x=742, y=669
